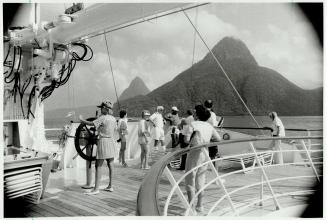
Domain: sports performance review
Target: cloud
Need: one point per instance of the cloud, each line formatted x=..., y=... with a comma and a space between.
x=293, y=53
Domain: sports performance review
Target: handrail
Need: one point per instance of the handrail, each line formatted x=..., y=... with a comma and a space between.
x=247, y=128
x=268, y=128
x=53, y=129
x=148, y=189
x=148, y=192
x=303, y=129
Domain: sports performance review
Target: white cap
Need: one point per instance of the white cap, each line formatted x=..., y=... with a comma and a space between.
x=174, y=108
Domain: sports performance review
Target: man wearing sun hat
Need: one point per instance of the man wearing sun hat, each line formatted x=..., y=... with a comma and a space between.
x=106, y=148
x=158, y=124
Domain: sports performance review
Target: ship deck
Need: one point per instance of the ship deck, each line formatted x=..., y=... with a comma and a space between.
x=65, y=197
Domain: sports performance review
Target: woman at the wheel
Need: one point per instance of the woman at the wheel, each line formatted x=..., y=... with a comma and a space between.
x=106, y=126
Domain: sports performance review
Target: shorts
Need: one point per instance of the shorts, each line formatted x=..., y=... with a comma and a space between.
x=158, y=134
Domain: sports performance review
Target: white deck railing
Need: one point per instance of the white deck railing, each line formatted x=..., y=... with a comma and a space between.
x=148, y=199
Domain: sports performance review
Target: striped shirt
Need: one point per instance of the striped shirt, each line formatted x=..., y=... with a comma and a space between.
x=106, y=125
x=157, y=119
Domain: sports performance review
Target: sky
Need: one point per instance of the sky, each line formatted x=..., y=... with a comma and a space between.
x=277, y=34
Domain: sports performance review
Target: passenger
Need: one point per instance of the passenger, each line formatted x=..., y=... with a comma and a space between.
x=122, y=131
x=174, y=120
x=106, y=126
x=144, y=139
x=189, y=117
x=158, y=132
x=203, y=132
x=185, y=135
x=213, y=151
x=278, y=131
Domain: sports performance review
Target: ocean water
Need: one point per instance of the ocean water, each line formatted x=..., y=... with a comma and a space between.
x=290, y=122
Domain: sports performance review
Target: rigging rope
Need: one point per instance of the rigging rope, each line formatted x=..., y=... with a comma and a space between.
x=112, y=72
x=223, y=70
x=193, y=54
x=73, y=96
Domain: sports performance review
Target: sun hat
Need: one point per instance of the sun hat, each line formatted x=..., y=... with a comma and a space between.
x=174, y=108
x=105, y=104
x=160, y=108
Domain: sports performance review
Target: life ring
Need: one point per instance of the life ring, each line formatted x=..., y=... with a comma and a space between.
x=226, y=136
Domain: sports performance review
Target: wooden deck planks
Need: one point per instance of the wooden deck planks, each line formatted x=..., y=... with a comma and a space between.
x=64, y=209
x=31, y=213
x=86, y=204
x=43, y=212
x=79, y=210
x=110, y=203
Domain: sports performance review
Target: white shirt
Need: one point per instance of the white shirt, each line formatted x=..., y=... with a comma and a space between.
x=120, y=121
x=157, y=119
x=143, y=128
x=206, y=131
x=213, y=119
x=278, y=123
x=189, y=119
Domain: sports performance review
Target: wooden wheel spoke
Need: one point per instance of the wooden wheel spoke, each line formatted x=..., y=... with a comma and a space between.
x=83, y=148
x=92, y=150
x=88, y=130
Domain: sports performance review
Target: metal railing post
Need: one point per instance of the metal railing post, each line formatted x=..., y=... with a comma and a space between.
x=309, y=140
x=179, y=192
x=261, y=192
x=265, y=176
x=220, y=181
x=310, y=160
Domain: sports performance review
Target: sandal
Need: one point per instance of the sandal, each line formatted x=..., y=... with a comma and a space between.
x=93, y=192
x=109, y=189
x=87, y=187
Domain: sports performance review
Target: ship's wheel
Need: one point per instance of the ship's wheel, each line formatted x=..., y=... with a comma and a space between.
x=85, y=139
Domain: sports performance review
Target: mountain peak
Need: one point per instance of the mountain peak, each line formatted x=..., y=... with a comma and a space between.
x=262, y=89
x=137, y=79
x=135, y=88
x=232, y=49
